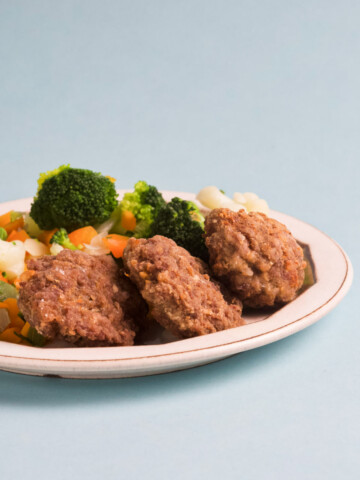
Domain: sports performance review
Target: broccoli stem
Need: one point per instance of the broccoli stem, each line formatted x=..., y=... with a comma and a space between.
x=61, y=238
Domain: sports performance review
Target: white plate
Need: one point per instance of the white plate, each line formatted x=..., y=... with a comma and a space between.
x=333, y=273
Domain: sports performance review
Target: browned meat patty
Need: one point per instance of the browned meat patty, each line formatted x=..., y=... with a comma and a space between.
x=178, y=289
x=255, y=256
x=81, y=298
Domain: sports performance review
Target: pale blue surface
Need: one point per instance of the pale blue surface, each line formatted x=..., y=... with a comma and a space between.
x=251, y=96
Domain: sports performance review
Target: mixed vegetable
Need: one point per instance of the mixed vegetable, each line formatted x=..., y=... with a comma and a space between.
x=72, y=198
x=78, y=209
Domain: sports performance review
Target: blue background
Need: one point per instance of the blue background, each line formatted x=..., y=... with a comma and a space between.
x=250, y=96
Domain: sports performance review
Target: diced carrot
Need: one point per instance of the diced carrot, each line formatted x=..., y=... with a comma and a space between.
x=25, y=329
x=128, y=220
x=17, y=322
x=82, y=235
x=18, y=235
x=5, y=218
x=11, y=305
x=3, y=279
x=9, y=335
x=116, y=244
x=15, y=225
x=47, y=235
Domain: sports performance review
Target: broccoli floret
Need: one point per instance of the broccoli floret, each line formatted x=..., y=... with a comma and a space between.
x=61, y=238
x=73, y=198
x=182, y=221
x=150, y=195
x=144, y=202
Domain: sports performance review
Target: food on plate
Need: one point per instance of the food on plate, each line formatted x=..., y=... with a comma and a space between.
x=144, y=213
x=137, y=210
x=72, y=198
x=6, y=290
x=3, y=234
x=178, y=289
x=255, y=256
x=212, y=197
x=80, y=298
x=12, y=258
x=61, y=237
x=183, y=222
x=66, y=259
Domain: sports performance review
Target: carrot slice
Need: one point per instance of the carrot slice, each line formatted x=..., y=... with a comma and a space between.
x=128, y=220
x=5, y=218
x=116, y=244
x=82, y=235
x=25, y=329
x=47, y=235
x=11, y=305
x=18, y=235
x=15, y=225
x=9, y=335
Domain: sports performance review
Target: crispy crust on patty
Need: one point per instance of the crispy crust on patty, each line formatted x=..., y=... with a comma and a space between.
x=178, y=289
x=255, y=256
x=83, y=299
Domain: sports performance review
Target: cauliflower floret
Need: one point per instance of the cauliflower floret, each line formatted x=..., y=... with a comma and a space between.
x=55, y=248
x=212, y=197
x=239, y=198
x=12, y=258
x=255, y=204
